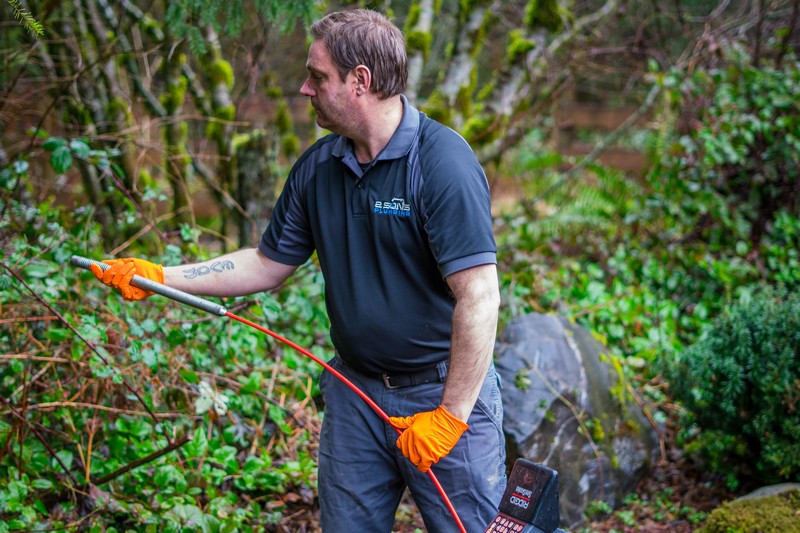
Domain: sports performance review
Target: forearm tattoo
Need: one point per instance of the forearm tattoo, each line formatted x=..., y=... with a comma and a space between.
x=216, y=266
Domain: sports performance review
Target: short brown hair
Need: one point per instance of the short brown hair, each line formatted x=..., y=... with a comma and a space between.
x=366, y=37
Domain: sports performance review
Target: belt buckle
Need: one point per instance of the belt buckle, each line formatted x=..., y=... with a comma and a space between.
x=387, y=381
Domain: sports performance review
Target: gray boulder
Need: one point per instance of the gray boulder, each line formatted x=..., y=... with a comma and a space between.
x=553, y=376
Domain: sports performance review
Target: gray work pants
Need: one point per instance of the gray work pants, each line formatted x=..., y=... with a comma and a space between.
x=362, y=473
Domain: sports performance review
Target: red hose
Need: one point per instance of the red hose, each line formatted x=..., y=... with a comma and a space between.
x=375, y=407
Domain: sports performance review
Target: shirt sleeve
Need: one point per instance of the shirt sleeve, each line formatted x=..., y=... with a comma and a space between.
x=457, y=203
x=287, y=238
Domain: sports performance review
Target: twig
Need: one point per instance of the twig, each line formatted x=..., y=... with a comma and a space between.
x=237, y=385
x=646, y=412
x=148, y=458
x=784, y=46
x=44, y=406
x=124, y=190
x=41, y=439
x=145, y=229
x=28, y=356
x=86, y=341
x=27, y=384
x=28, y=319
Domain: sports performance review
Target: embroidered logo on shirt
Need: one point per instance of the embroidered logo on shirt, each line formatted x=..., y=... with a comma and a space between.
x=397, y=207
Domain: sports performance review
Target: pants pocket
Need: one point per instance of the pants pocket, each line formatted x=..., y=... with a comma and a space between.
x=490, y=402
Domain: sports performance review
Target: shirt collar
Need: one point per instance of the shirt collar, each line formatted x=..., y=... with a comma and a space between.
x=398, y=146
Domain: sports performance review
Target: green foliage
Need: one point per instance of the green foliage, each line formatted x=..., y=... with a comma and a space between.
x=650, y=268
x=246, y=403
x=63, y=153
x=185, y=18
x=771, y=514
x=730, y=148
x=663, y=506
x=739, y=384
x=569, y=251
x=25, y=18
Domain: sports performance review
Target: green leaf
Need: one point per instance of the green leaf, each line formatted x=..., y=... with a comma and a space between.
x=190, y=517
x=38, y=271
x=149, y=325
x=57, y=334
x=37, y=132
x=66, y=458
x=253, y=383
x=150, y=357
x=79, y=148
x=169, y=479
x=53, y=142
x=189, y=375
x=198, y=446
x=42, y=484
x=61, y=159
x=226, y=456
x=210, y=398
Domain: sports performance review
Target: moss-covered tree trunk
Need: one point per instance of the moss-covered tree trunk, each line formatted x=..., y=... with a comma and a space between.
x=176, y=160
x=220, y=129
x=452, y=102
x=418, y=38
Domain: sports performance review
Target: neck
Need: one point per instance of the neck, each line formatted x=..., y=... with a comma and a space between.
x=383, y=118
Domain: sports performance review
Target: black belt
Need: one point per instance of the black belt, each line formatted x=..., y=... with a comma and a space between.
x=436, y=374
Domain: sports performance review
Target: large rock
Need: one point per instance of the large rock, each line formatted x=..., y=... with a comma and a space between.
x=553, y=375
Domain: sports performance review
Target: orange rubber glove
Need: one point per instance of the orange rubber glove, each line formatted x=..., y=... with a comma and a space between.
x=428, y=436
x=121, y=272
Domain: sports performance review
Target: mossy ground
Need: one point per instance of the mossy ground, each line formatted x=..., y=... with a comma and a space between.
x=779, y=513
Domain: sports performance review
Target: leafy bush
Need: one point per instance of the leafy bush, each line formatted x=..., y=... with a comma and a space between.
x=740, y=386
x=729, y=148
x=222, y=418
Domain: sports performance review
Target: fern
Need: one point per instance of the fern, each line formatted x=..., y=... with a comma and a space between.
x=24, y=17
x=599, y=201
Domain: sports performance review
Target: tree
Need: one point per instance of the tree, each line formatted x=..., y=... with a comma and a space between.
x=162, y=82
x=152, y=84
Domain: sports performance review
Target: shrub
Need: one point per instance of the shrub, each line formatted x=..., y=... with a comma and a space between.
x=740, y=386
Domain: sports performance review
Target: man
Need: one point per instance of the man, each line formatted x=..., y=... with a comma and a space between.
x=397, y=208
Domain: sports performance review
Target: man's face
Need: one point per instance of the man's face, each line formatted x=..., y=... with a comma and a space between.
x=330, y=96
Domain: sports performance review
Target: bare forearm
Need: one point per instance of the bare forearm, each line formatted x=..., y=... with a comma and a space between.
x=474, y=330
x=245, y=271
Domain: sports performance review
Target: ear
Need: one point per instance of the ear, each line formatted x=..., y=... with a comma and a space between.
x=363, y=79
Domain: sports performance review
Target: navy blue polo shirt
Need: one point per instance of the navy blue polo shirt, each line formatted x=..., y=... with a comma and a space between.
x=386, y=236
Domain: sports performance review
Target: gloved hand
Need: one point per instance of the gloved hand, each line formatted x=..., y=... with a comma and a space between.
x=428, y=436
x=121, y=272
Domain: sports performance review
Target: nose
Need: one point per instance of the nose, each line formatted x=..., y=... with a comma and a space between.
x=306, y=89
